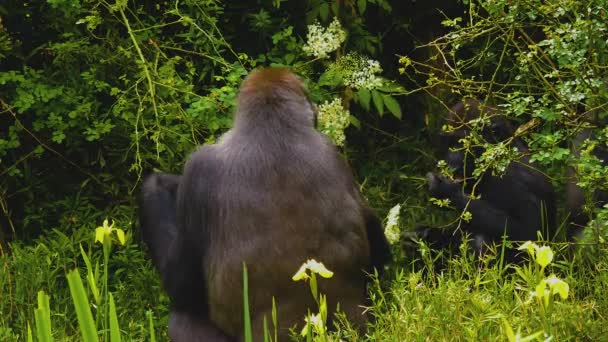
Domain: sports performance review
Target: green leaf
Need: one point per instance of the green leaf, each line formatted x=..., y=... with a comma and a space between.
x=114, y=329
x=289, y=58
x=392, y=105
x=508, y=330
x=324, y=11
x=42, y=315
x=335, y=9
x=330, y=78
x=354, y=121
x=246, y=317
x=390, y=86
x=81, y=304
x=151, y=324
x=91, y=279
x=30, y=338
x=361, y=4
x=364, y=97
x=378, y=102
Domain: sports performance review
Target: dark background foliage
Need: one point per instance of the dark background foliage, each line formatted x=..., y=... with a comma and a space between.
x=95, y=94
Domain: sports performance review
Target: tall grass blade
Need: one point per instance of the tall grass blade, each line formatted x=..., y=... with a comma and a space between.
x=274, y=320
x=266, y=332
x=91, y=279
x=114, y=329
x=42, y=315
x=151, y=325
x=246, y=317
x=30, y=338
x=81, y=304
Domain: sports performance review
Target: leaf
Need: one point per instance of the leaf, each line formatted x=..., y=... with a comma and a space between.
x=378, y=102
x=392, y=105
x=364, y=97
x=508, y=330
x=246, y=315
x=324, y=11
x=390, y=86
x=42, y=316
x=330, y=78
x=335, y=9
x=151, y=326
x=81, y=304
x=30, y=338
x=361, y=4
x=114, y=329
x=91, y=280
x=289, y=58
x=354, y=121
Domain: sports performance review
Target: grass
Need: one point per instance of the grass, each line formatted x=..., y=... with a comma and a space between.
x=468, y=300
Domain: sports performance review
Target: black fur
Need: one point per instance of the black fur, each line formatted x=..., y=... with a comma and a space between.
x=272, y=193
x=518, y=204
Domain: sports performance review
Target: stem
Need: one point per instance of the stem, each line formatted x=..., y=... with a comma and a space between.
x=144, y=66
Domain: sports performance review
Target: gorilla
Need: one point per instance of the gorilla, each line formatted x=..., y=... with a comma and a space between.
x=271, y=194
x=158, y=221
x=575, y=198
x=519, y=203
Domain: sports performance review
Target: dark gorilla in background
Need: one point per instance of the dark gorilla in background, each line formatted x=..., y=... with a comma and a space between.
x=575, y=198
x=518, y=204
x=272, y=193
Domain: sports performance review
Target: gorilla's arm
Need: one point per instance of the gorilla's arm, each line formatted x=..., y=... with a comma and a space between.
x=488, y=218
x=176, y=260
x=491, y=221
x=158, y=218
x=186, y=284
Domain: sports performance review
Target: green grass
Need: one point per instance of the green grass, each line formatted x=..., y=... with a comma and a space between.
x=467, y=301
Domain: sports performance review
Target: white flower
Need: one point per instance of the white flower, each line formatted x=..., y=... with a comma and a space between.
x=358, y=71
x=320, y=41
x=314, y=267
x=391, y=230
x=333, y=118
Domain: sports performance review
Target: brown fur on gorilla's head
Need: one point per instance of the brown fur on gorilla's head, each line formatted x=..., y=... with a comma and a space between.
x=271, y=82
x=275, y=97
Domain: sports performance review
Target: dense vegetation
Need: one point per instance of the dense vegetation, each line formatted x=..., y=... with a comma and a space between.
x=95, y=94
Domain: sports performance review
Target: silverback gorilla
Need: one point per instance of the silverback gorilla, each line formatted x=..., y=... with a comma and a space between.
x=271, y=194
x=519, y=203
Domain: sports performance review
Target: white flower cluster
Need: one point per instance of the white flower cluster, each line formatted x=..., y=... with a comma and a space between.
x=365, y=76
x=391, y=229
x=333, y=118
x=321, y=41
x=358, y=71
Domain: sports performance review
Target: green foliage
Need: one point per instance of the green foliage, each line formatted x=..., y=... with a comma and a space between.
x=540, y=62
x=43, y=266
x=95, y=93
x=107, y=89
x=473, y=301
x=43, y=318
x=81, y=303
